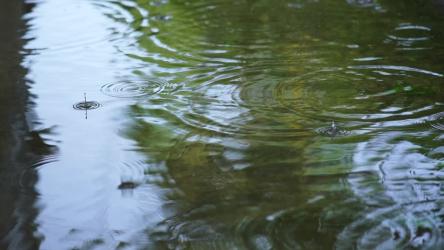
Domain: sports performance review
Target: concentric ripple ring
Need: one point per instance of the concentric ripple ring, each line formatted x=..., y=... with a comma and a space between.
x=131, y=89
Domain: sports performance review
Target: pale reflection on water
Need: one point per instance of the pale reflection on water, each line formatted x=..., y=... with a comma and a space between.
x=79, y=201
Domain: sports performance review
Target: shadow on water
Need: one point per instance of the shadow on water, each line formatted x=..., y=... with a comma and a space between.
x=22, y=147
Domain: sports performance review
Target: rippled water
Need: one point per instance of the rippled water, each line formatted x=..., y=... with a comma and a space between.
x=290, y=124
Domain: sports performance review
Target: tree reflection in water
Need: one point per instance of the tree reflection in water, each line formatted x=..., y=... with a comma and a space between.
x=23, y=147
x=235, y=143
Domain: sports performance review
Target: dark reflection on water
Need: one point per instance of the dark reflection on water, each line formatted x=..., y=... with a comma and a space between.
x=23, y=147
x=219, y=124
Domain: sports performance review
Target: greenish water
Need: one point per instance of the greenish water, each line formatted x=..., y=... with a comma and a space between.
x=213, y=127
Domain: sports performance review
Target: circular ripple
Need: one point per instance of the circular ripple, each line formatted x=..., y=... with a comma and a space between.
x=407, y=35
x=86, y=105
x=417, y=33
x=131, y=89
x=321, y=95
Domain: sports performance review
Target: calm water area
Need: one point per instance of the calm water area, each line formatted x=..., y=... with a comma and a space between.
x=217, y=124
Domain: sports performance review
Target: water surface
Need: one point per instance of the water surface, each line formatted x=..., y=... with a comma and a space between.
x=213, y=126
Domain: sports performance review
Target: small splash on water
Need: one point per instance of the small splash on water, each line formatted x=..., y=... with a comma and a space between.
x=130, y=89
x=86, y=105
x=332, y=131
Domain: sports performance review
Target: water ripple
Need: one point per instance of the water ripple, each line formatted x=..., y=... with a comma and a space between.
x=275, y=87
x=397, y=68
x=400, y=227
x=134, y=88
x=407, y=34
x=437, y=121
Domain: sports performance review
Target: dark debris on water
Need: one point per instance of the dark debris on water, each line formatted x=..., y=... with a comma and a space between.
x=127, y=185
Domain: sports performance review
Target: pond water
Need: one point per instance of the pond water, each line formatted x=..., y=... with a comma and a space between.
x=288, y=124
